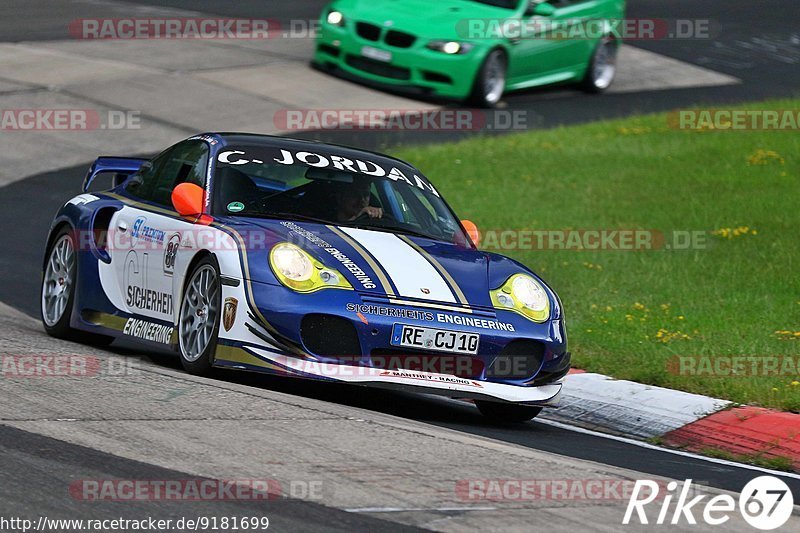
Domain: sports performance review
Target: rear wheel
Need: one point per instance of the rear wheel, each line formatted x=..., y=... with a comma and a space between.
x=602, y=67
x=199, y=317
x=490, y=83
x=507, y=413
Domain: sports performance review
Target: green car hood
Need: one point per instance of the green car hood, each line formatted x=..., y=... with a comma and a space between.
x=431, y=19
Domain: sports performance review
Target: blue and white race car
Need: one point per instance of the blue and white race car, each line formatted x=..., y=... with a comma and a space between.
x=303, y=259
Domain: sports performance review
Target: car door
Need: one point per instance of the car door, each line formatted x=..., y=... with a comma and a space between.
x=542, y=54
x=150, y=232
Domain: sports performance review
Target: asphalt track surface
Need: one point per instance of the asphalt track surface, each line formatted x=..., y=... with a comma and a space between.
x=748, y=48
x=33, y=464
x=756, y=42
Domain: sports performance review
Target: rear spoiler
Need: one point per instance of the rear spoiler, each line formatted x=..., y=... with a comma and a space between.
x=121, y=166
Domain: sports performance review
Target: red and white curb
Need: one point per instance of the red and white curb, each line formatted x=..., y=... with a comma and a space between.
x=679, y=419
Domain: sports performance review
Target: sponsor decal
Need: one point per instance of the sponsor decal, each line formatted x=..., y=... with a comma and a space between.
x=170, y=252
x=142, y=329
x=149, y=300
x=436, y=378
x=82, y=199
x=345, y=261
x=207, y=138
x=336, y=162
x=443, y=318
x=425, y=290
x=138, y=295
x=147, y=233
x=474, y=322
x=229, y=313
x=235, y=207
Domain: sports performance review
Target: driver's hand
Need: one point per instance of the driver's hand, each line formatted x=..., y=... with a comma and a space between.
x=372, y=212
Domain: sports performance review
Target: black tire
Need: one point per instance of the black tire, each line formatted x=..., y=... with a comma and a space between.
x=481, y=96
x=592, y=81
x=507, y=413
x=201, y=364
x=61, y=328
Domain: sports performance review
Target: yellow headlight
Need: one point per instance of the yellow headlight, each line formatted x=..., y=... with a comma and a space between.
x=524, y=295
x=296, y=269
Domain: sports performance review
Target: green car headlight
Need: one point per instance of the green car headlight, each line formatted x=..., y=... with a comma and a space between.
x=449, y=47
x=296, y=269
x=525, y=295
x=335, y=18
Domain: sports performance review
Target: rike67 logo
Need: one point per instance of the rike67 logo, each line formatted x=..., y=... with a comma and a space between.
x=766, y=503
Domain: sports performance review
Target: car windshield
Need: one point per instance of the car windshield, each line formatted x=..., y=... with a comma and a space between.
x=508, y=4
x=355, y=190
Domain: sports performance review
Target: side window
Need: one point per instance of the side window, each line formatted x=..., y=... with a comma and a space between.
x=142, y=183
x=186, y=162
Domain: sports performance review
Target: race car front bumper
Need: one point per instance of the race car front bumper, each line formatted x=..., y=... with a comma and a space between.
x=423, y=382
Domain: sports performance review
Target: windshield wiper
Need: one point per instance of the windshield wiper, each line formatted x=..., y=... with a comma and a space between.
x=290, y=216
x=394, y=229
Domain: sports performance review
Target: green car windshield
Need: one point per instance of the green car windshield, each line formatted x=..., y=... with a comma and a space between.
x=267, y=182
x=508, y=4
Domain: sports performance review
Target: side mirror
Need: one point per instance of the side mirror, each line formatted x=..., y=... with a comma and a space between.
x=472, y=231
x=188, y=199
x=542, y=9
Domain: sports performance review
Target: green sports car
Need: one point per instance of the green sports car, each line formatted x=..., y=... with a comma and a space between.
x=471, y=50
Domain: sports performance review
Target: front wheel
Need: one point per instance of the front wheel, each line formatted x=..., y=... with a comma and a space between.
x=602, y=66
x=199, y=317
x=490, y=83
x=58, y=286
x=507, y=413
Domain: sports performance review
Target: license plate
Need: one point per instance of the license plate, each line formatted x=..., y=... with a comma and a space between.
x=440, y=340
x=376, y=54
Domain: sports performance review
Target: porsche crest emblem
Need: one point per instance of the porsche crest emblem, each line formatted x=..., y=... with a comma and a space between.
x=229, y=313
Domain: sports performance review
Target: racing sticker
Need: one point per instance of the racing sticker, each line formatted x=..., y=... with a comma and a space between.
x=170, y=252
x=142, y=329
x=437, y=378
x=235, y=207
x=141, y=230
x=428, y=316
x=345, y=261
x=336, y=162
x=138, y=294
x=229, y=313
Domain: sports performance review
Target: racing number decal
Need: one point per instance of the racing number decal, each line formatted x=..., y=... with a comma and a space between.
x=170, y=251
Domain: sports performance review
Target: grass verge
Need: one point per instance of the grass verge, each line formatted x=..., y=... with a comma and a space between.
x=640, y=315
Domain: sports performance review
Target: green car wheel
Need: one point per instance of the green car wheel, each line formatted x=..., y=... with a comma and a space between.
x=490, y=83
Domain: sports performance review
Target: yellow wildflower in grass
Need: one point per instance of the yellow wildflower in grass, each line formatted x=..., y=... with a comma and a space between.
x=730, y=233
x=764, y=157
x=634, y=130
x=787, y=335
x=795, y=383
x=592, y=266
x=665, y=336
x=774, y=389
x=639, y=307
x=609, y=308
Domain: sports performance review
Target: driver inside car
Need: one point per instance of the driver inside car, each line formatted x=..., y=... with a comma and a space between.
x=352, y=201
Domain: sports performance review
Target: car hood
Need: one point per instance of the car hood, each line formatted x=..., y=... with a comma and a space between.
x=378, y=263
x=443, y=19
